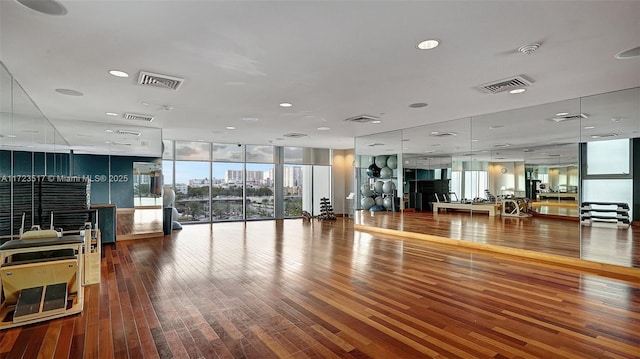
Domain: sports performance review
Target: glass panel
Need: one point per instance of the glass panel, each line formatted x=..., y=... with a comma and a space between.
x=192, y=191
x=193, y=151
x=309, y=156
x=167, y=153
x=608, y=157
x=259, y=154
x=378, y=171
x=321, y=187
x=227, y=152
x=293, y=189
x=167, y=173
x=226, y=193
x=260, y=189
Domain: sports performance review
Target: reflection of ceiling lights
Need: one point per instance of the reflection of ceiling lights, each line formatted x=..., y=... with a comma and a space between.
x=375, y=144
x=286, y=104
x=230, y=128
x=589, y=127
x=617, y=119
x=495, y=127
x=500, y=145
x=69, y=92
x=517, y=91
x=442, y=134
x=375, y=122
x=324, y=128
x=604, y=135
x=111, y=114
x=428, y=44
x=250, y=119
x=562, y=113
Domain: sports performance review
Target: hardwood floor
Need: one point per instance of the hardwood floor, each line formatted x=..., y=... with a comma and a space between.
x=293, y=289
x=600, y=243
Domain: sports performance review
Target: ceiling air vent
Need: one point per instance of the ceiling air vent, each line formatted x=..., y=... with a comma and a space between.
x=442, y=134
x=559, y=119
x=121, y=143
x=129, y=132
x=295, y=135
x=362, y=119
x=158, y=80
x=137, y=117
x=511, y=83
x=375, y=144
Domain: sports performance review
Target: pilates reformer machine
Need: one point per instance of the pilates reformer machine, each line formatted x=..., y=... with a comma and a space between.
x=43, y=273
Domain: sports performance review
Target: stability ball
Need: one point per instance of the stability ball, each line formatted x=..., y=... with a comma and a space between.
x=367, y=202
x=392, y=162
x=378, y=186
x=388, y=187
x=375, y=171
x=386, y=172
x=379, y=201
x=371, y=160
x=366, y=191
x=387, y=202
x=381, y=161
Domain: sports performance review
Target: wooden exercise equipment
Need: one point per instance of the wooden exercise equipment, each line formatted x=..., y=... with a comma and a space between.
x=515, y=207
x=36, y=289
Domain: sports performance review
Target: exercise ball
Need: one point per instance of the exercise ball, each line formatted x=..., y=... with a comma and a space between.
x=378, y=186
x=388, y=187
x=366, y=191
x=381, y=161
x=387, y=202
x=371, y=160
x=379, y=201
x=392, y=162
x=367, y=202
x=375, y=170
x=386, y=172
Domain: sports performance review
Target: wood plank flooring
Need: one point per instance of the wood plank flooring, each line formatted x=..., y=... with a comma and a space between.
x=600, y=243
x=293, y=289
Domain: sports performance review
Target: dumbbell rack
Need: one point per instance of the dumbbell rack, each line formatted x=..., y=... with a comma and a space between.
x=610, y=212
x=326, y=210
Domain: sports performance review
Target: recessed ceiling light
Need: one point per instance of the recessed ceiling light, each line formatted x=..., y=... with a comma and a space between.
x=474, y=140
x=49, y=7
x=111, y=114
x=418, y=105
x=107, y=142
x=118, y=73
x=628, y=54
x=589, y=127
x=324, y=128
x=230, y=128
x=286, y=104
x=108, y=131
x=69, y=92
x=516, y=91
x=12, y=136
x=562, y=113
x=428, y=44
x=250, y=119
x=376, y=121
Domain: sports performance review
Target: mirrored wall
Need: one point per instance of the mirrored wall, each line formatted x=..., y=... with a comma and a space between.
x=556, y=178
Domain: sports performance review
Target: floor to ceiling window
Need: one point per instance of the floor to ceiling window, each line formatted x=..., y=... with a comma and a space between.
x=230, y=182
x=192, y=177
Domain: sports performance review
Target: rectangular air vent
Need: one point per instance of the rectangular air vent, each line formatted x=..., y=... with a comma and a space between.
x=295, y=135
x=158, y=80
x=442, y=134
x=121, y=143
x=508, y=84
x=362, y=119
x=604, y=135
x=568, y=118
x=138, y=117
x=129, y=132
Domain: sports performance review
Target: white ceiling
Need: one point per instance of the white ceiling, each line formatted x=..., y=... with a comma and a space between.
x=331, y=59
